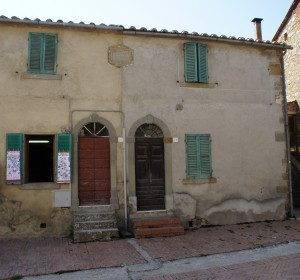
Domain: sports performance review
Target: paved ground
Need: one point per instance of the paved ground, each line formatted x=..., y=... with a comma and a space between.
x=131, y=257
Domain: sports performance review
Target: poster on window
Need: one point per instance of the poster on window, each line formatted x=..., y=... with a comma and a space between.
x=63, y=167
x=13, y=167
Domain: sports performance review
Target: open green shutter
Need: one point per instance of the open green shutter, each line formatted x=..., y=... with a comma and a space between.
x=14, y=158
x=50, y=49
x=35, y=52
x=205, y=156
x=192, y=156
x=63, y=158
x=190, y=62
x=202, y=63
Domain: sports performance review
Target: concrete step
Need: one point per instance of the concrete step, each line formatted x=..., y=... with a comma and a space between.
x=95, y=235
x=86, y=225
x=158, y=232
x=81, y=217
x=94, y=227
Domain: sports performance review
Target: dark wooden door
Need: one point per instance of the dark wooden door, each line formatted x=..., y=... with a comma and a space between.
x=94, y=171
x=150, y=174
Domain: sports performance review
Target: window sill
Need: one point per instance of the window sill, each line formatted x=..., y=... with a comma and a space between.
x=196, y=85
x=27, y=75
x=39, y=186
x=199, y=181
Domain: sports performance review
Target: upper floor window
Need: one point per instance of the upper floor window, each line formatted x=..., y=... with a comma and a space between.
x=42, y=50
x=195, y=63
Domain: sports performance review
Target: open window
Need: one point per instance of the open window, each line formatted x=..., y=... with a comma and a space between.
x=38, y=158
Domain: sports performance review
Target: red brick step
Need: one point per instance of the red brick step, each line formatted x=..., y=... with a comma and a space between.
x=157, y=227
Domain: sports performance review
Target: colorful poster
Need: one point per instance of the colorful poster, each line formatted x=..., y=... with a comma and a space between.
x=63, y=167
x=13, y=167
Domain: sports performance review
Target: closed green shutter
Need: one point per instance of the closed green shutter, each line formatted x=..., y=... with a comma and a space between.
x=35, y=52
x=205, y=157
x=198, y=156
x=63, y=158
x=192, y=156
x=14, y=158
x=202, y=63
x=195, y=62
x=42, y=53
x=190, y=62
x=50, y=53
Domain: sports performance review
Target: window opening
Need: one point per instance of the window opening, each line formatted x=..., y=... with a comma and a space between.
x=149, y=130
x=94, y=129
x=40, y=162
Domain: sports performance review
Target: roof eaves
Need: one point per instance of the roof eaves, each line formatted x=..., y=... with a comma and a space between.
x=204, y=36
x=59, y=23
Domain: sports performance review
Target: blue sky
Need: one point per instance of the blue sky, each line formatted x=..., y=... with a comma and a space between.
x=221, y=17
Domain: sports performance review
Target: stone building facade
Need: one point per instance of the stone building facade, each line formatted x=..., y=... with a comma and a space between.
x=137, y=124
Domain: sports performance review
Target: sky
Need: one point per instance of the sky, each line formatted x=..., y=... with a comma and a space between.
x=221, y=17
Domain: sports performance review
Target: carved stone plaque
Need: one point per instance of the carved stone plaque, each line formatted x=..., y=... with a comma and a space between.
x=120, y=55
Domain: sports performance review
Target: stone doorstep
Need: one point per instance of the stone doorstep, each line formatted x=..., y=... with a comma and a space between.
x=97, y=224
x=82, y=217
x=155, y=222
x=158, y=232
x=96, y=235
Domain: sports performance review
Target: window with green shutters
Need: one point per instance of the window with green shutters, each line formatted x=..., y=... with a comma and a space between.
x=195, y=63
x=41, y=153
x=42, y=53
x=198, y=156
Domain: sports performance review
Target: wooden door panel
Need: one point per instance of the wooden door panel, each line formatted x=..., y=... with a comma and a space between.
x=149, y=170
x=93, y=170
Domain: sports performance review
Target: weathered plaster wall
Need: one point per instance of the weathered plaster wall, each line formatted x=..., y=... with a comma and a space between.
x=241, y=109
x=291, y=36
x=45, y=106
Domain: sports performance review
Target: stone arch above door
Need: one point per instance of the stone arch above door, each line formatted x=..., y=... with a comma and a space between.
x=113, y=158
x=149, y=119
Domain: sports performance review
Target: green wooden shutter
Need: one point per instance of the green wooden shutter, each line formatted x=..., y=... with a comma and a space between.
x=205, y=156
x=14, y=158
x=198, y=156
x=63, y=158
x=190, y=62
x=192, y=156
x=50, y=50
x=35, y=52
x=202, y=63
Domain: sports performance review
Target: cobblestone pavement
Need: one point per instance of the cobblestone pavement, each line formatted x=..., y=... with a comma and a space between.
x=51, y=255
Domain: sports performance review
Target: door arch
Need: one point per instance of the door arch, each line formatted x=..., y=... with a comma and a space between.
x=94, y=181
x=149, y=168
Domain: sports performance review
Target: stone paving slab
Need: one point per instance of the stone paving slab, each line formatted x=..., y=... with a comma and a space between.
x=36, y=256
x=221, y=239
x=51, y=255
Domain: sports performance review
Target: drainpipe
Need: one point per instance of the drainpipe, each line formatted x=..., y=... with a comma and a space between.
x=287, y=136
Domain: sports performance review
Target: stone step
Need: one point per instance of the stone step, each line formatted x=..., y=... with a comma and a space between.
x=158, y=232
x=86, y=225
x=155, y=222
x=81, y=217
x=95, y=235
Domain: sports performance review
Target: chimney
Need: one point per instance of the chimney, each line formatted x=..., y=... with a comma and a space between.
x=257, y=28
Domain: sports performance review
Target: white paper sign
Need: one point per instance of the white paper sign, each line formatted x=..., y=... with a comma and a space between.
x=13, y=167
x=63, y=168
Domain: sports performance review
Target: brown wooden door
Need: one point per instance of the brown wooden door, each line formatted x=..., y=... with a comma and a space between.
x=150, y=174
x=94, y=171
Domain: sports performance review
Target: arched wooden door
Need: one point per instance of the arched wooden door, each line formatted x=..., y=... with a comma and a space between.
x=94, y=165
x=149, y=168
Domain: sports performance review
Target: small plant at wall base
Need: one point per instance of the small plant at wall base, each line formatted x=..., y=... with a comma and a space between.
x=16, y=277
